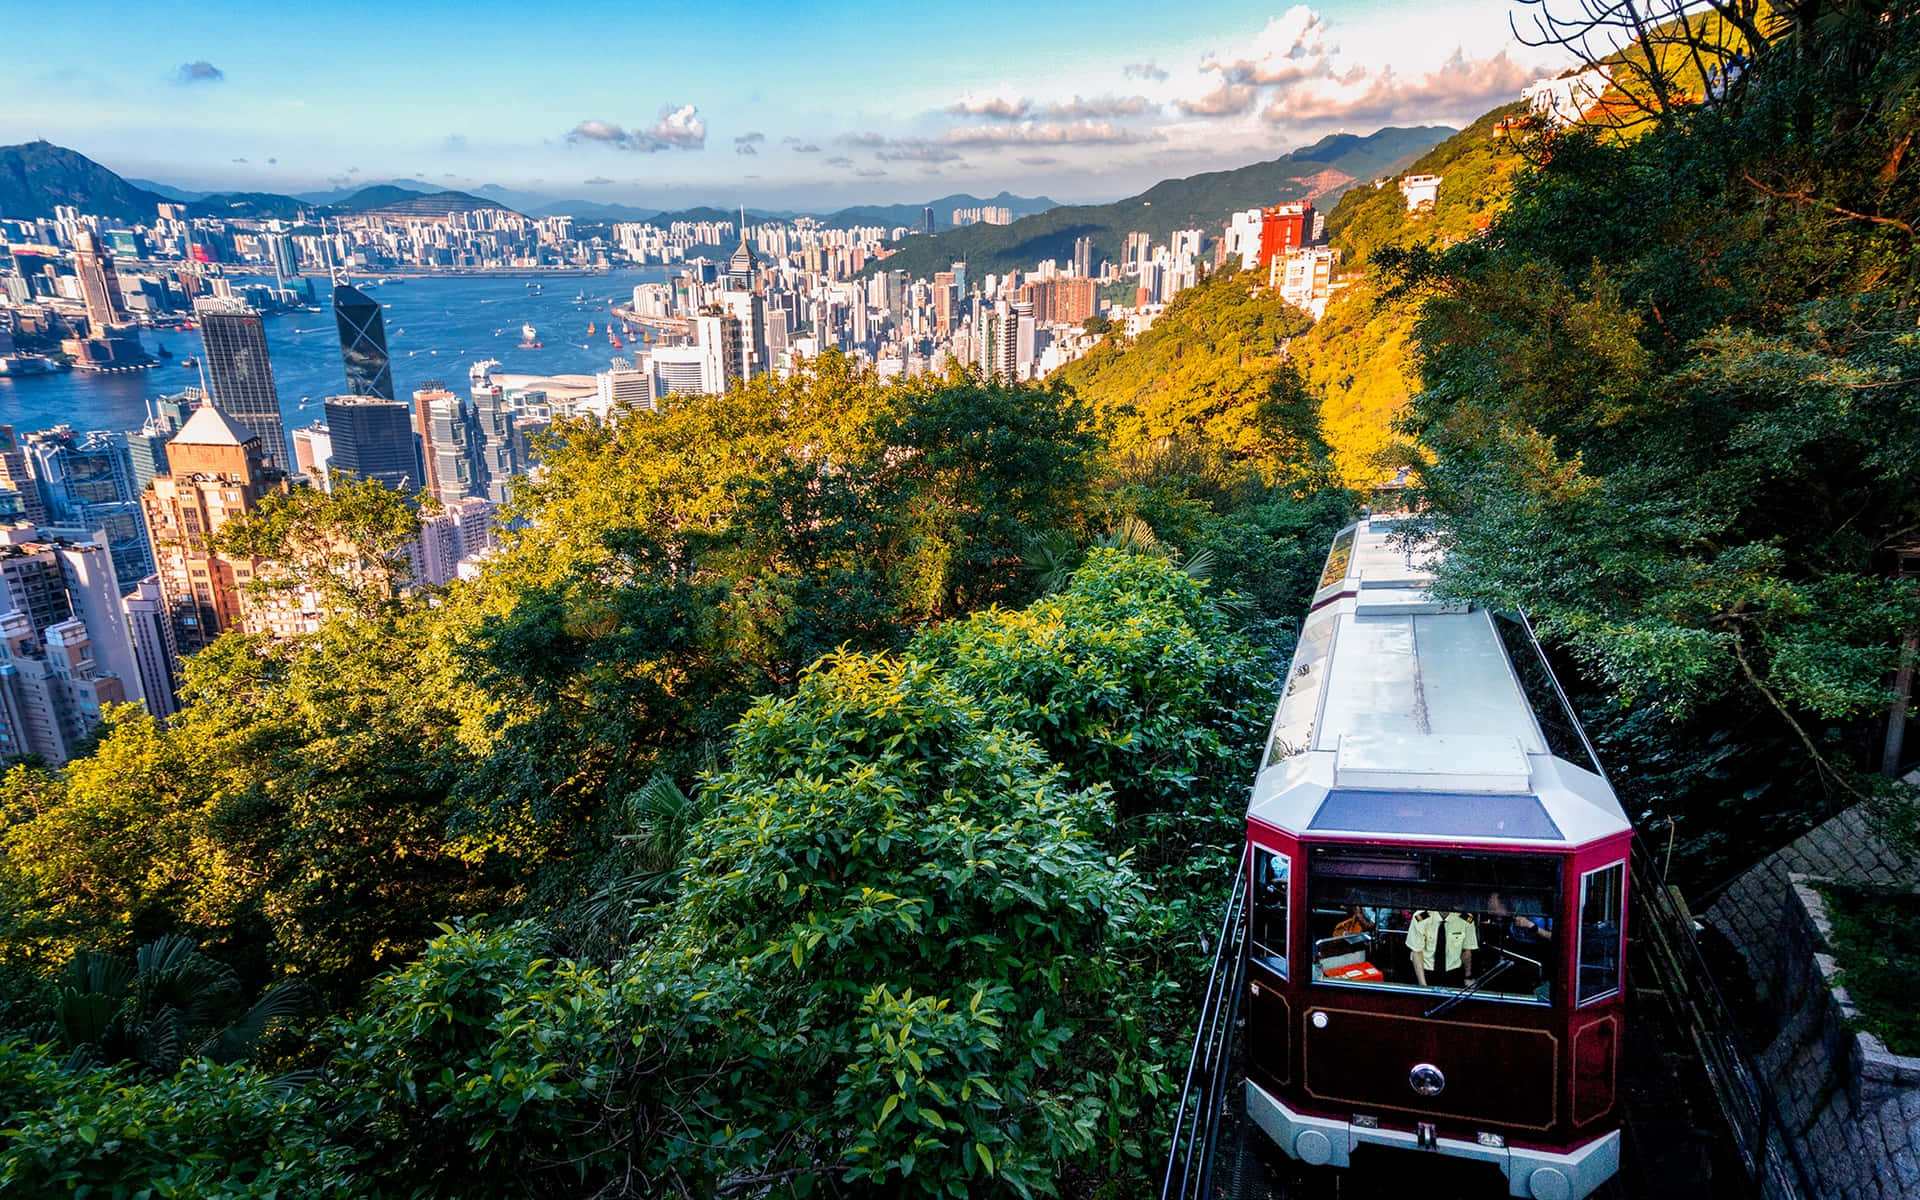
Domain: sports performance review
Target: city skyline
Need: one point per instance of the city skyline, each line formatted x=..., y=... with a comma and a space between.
x=820, y=108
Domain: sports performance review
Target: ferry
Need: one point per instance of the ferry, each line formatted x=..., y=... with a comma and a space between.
x=529, y=338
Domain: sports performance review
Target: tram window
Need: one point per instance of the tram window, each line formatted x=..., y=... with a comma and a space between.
x=1600, y=896
x=1337, y=559
x=1434, y=920
x=1271, y=875
x=1557, y=722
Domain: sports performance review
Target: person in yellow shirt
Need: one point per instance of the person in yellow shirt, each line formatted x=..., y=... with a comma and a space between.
x=1449, y=940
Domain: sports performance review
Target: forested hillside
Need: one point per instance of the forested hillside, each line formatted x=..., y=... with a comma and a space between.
x=1667, y=405
x=1326, y=168
x=1356, y=359
x=828, y=790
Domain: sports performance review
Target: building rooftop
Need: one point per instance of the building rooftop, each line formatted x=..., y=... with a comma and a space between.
x=208, y=426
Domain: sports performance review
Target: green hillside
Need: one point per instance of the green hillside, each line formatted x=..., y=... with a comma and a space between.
x=1205, y=373
x=1355, y=359
x=1326, y=168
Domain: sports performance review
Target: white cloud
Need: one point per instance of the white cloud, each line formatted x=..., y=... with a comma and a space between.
x=1459, y=89
x=1292, y=47
x=999, y=106
x=1049, y=133
x=678, y=127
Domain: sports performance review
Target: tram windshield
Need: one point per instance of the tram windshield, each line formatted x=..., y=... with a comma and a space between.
x=1434, y=920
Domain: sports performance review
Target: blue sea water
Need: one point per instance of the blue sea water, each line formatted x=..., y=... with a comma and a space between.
x=436, y=329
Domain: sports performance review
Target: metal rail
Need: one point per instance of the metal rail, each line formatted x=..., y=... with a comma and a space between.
x=1664, y=933
x=1764, y=1146
x=1196, y=1122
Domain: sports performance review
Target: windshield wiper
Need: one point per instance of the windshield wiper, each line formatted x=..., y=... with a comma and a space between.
x=1450, y=1002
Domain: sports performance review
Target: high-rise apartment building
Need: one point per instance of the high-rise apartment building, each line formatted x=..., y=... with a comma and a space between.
x=88, y=484
x=494, y=444
x=1284, y=227
x=1083, y=256
x=153, y=654
x=447, y=436
x=363, y=342
x=313, y=453
x=66, y=648
x=372, y=438
x=720, y=343
x=99, y=284
x=16, y=478
x=217, y=471
x=457, y=533
x=240, y=375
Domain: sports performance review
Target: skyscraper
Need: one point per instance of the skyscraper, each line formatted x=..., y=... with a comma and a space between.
x=240, y=376
x=372, y=438
x=88, y=484
x=65, y=646
x=363, y=342
x=15, y=478
x=1083, y=256
x=721, y=350
x=926, y=219
x=99, y=284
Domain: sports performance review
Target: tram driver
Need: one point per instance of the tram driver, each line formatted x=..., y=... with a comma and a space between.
x=1441, y=946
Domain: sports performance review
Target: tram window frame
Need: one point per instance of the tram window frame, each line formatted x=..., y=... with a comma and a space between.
x=1262, y=948
x=1605, y=937
x=1389, y=882
x=1559, y=724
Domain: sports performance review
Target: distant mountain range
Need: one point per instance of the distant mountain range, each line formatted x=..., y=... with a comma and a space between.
x=37, y=176
x=1320, y=172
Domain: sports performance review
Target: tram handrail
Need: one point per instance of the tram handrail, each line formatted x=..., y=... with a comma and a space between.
x=1196, y=1120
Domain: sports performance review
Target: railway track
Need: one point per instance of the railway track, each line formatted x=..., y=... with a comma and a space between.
x=1697, y=1118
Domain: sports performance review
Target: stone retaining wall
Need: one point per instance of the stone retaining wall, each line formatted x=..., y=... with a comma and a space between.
x=1852, y=1107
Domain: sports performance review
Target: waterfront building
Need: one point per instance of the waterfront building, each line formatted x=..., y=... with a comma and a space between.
x=447, y=436
x=99, y=284
x=622, y=386
x=363, y=342
x=677, y=370
x=240, y=374
x=371, y=437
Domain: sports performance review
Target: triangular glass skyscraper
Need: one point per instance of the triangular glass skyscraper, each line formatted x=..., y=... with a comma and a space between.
x=363, y=342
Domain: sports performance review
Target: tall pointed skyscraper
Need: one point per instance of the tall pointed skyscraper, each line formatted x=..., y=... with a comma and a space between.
x=363, y=342
x=239, y=375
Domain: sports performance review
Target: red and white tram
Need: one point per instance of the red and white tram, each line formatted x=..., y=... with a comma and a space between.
x=1437, y=938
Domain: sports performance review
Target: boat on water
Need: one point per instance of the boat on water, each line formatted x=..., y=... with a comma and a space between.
x=589, y=328
x=529, y=338
x=190, y=362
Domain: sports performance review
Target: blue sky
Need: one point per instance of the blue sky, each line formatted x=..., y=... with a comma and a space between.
x=803, y=104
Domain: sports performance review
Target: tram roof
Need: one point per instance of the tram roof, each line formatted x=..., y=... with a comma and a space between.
x=1404, y=718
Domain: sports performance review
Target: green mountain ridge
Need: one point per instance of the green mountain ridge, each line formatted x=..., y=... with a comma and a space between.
x=1327, y=168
